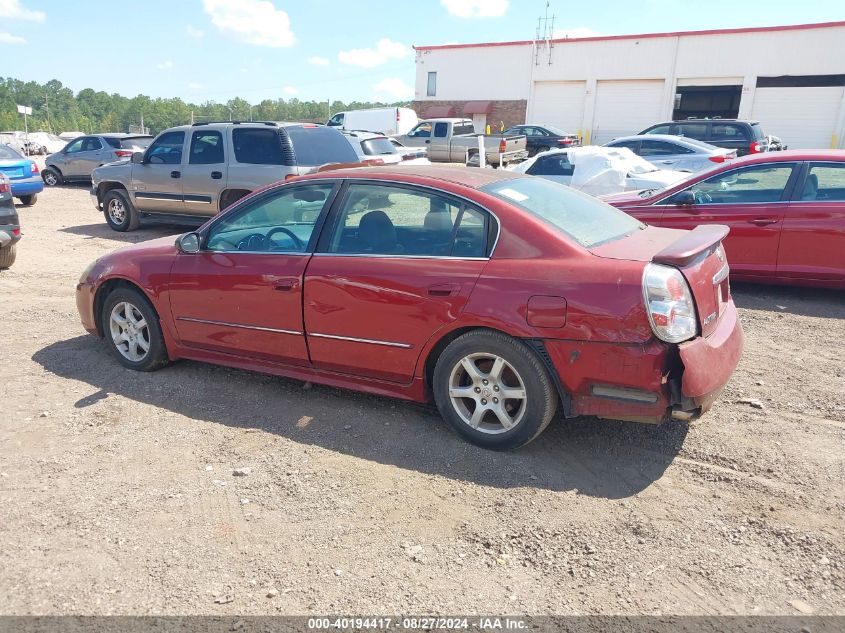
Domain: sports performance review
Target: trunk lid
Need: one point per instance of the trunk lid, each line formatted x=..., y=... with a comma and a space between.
x=697, y=254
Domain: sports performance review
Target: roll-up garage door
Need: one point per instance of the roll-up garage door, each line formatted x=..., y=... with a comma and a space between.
x=626, y=107
x=558, y=103
x=804, y=117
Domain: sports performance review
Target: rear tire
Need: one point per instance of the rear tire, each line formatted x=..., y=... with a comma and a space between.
x=540, y=150
x=52, y=177
x=7, y=256
x=121, y=216
x=29, y=200
x=493, y=390
x=132, y=330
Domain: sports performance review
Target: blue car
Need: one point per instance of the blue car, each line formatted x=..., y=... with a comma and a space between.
x=23, y=174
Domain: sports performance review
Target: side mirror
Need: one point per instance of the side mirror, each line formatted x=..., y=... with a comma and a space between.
x=189, y=243
x=684, y=198
x=138, y=158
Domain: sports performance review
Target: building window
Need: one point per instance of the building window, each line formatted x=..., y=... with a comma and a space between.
x=432, y=85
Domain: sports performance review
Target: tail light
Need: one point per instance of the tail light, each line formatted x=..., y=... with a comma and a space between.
x=5, y=187
x=123, y=153
x=566, y=141
x=668, y=301
x=33, y=168
x=503, y=146
x=721, y=158
x=755, y=148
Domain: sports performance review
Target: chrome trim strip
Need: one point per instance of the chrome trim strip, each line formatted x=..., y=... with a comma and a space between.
x=360, y=340
x=199, y=201
x=238, y=325
x=156, y=198
x=720, y=276
x=377, y=256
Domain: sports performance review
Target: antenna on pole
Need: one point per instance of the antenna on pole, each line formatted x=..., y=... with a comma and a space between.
x=544, y=40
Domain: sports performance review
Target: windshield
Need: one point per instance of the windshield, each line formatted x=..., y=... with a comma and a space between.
x=7, y=153
x=583, y=218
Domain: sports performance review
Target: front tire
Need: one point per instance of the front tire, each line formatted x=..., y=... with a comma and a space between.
x=51, y=177
x=8, y=255
x=121, y=216
x=493, y=390
x=29, y=200
x=132, y=330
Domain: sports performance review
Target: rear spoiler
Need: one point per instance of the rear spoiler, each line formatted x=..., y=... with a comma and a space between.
x=691, y=245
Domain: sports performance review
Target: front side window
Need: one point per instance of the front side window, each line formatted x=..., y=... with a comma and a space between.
x=824, y=183
x=388, y=220
x=431, y=88
x=554, y=165
x=692, y=130
x=583, y=218
x=757, y=183
x=661, y=148
x=423, y=130
x=207, y=148
x=91, y=144
x=336, y=120
x=167, y=149
x=75, y=146
x=281, y=221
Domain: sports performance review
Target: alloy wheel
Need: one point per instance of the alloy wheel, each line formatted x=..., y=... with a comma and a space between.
x=129, y=331
x=50, y=178
x=117, y=211
x=487, y=393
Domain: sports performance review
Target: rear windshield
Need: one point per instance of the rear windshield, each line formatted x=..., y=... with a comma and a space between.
x=7, y=153
x=583, y=218
x=757, y=132
x=139, y=143
x=320, y=145
x=377, y=147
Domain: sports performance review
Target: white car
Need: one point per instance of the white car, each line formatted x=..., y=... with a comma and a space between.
x=369, y=146
x=599, y=170
x=675, y=152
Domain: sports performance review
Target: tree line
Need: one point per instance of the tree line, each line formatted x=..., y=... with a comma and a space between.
x=55, y=108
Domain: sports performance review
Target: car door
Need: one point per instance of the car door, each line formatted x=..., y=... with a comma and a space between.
x=395, y=264
x=82, y=158
x=242, y=293
x=812, y=243
x=64, y=159
x=420, y=136
x=204, y=173
x=440, y=147
x=553, y=167
x=751, y=200
x=157, y=181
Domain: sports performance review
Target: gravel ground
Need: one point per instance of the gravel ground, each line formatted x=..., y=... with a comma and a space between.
x=118, y=490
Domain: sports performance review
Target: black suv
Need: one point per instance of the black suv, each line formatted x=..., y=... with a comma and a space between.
x=10, y=228
x=746, y=137
x=542, y=138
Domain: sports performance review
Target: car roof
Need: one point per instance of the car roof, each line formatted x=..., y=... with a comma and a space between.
x=363, y=134
x=471, y=177
x=668, y=138
x=255, y=124
x=681, y=121
x=791, y=155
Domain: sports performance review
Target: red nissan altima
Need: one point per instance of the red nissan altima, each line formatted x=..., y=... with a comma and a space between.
x=785, y=211
x=501, y=296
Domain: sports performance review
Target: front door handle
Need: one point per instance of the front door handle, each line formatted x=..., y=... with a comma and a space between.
x=763, y=221
x=217, y=175
x=443, y=290
x=175, y=174
x=427, y=142
x=285, y=285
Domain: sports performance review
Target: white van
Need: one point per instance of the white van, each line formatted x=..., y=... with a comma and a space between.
x=389, y=121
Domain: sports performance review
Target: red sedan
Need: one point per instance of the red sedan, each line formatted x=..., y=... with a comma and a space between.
x=785, y=210
x=502, y=297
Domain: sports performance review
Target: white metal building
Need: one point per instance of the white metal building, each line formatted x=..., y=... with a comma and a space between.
x=790, y=78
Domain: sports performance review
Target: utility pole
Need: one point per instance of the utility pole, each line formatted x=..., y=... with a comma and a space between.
x=47, y=106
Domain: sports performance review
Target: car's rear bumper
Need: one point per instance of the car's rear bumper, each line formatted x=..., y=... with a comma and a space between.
x=27, y=186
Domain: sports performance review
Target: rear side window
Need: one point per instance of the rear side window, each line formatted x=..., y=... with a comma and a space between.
x=314, y=146
x=660, y=129
x=7, y=153
x=256, y=146
x=554, y=165
x=825, y=183
x=464, y=128
x=661, y=148
x=757, y=132
x=114, y=142
x=441, y=130
x=728, y=132
x=91, y=144
x=206, y=148
x=692, y=130
x=138, y=143
x=377, y=146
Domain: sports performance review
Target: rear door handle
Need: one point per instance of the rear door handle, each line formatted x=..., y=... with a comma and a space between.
x=443, y=290
x=217, y=175
x=175, y=174
x=763, y=221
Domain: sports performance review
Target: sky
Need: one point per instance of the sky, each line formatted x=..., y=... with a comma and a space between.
x=203, y=50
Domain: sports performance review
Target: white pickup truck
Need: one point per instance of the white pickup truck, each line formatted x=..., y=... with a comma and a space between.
x=455, y=141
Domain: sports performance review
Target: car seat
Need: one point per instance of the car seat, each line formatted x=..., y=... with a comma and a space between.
x=377, y=233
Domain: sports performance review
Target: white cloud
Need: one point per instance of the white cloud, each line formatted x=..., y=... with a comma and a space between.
x=13, y=10
x=476, y=8
x=192, y=31
x=195, y=86
x=384, y=51
x=8, y=38
x=256, y=22
x=318, y=61
x=392, y=89
x=577, y=32
x=290, y=90
x=165, y=65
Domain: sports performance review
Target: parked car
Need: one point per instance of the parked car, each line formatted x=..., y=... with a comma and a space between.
x=368, y=145
x=411, y=155
x=599, y=170
x=10, y=227
x=387, y=121
x=542, y=138
x=743, y=136
x=200, y=169
x=455, y=141
x=50, y=142
x=23, y=173
x=675, y=152
x=502, y=297
x=80, y=157
x=786, y=212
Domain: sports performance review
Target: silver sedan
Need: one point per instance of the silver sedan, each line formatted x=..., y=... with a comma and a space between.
x=675, y=152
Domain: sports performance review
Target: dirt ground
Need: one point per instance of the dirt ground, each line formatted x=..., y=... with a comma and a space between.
x=117, y=492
